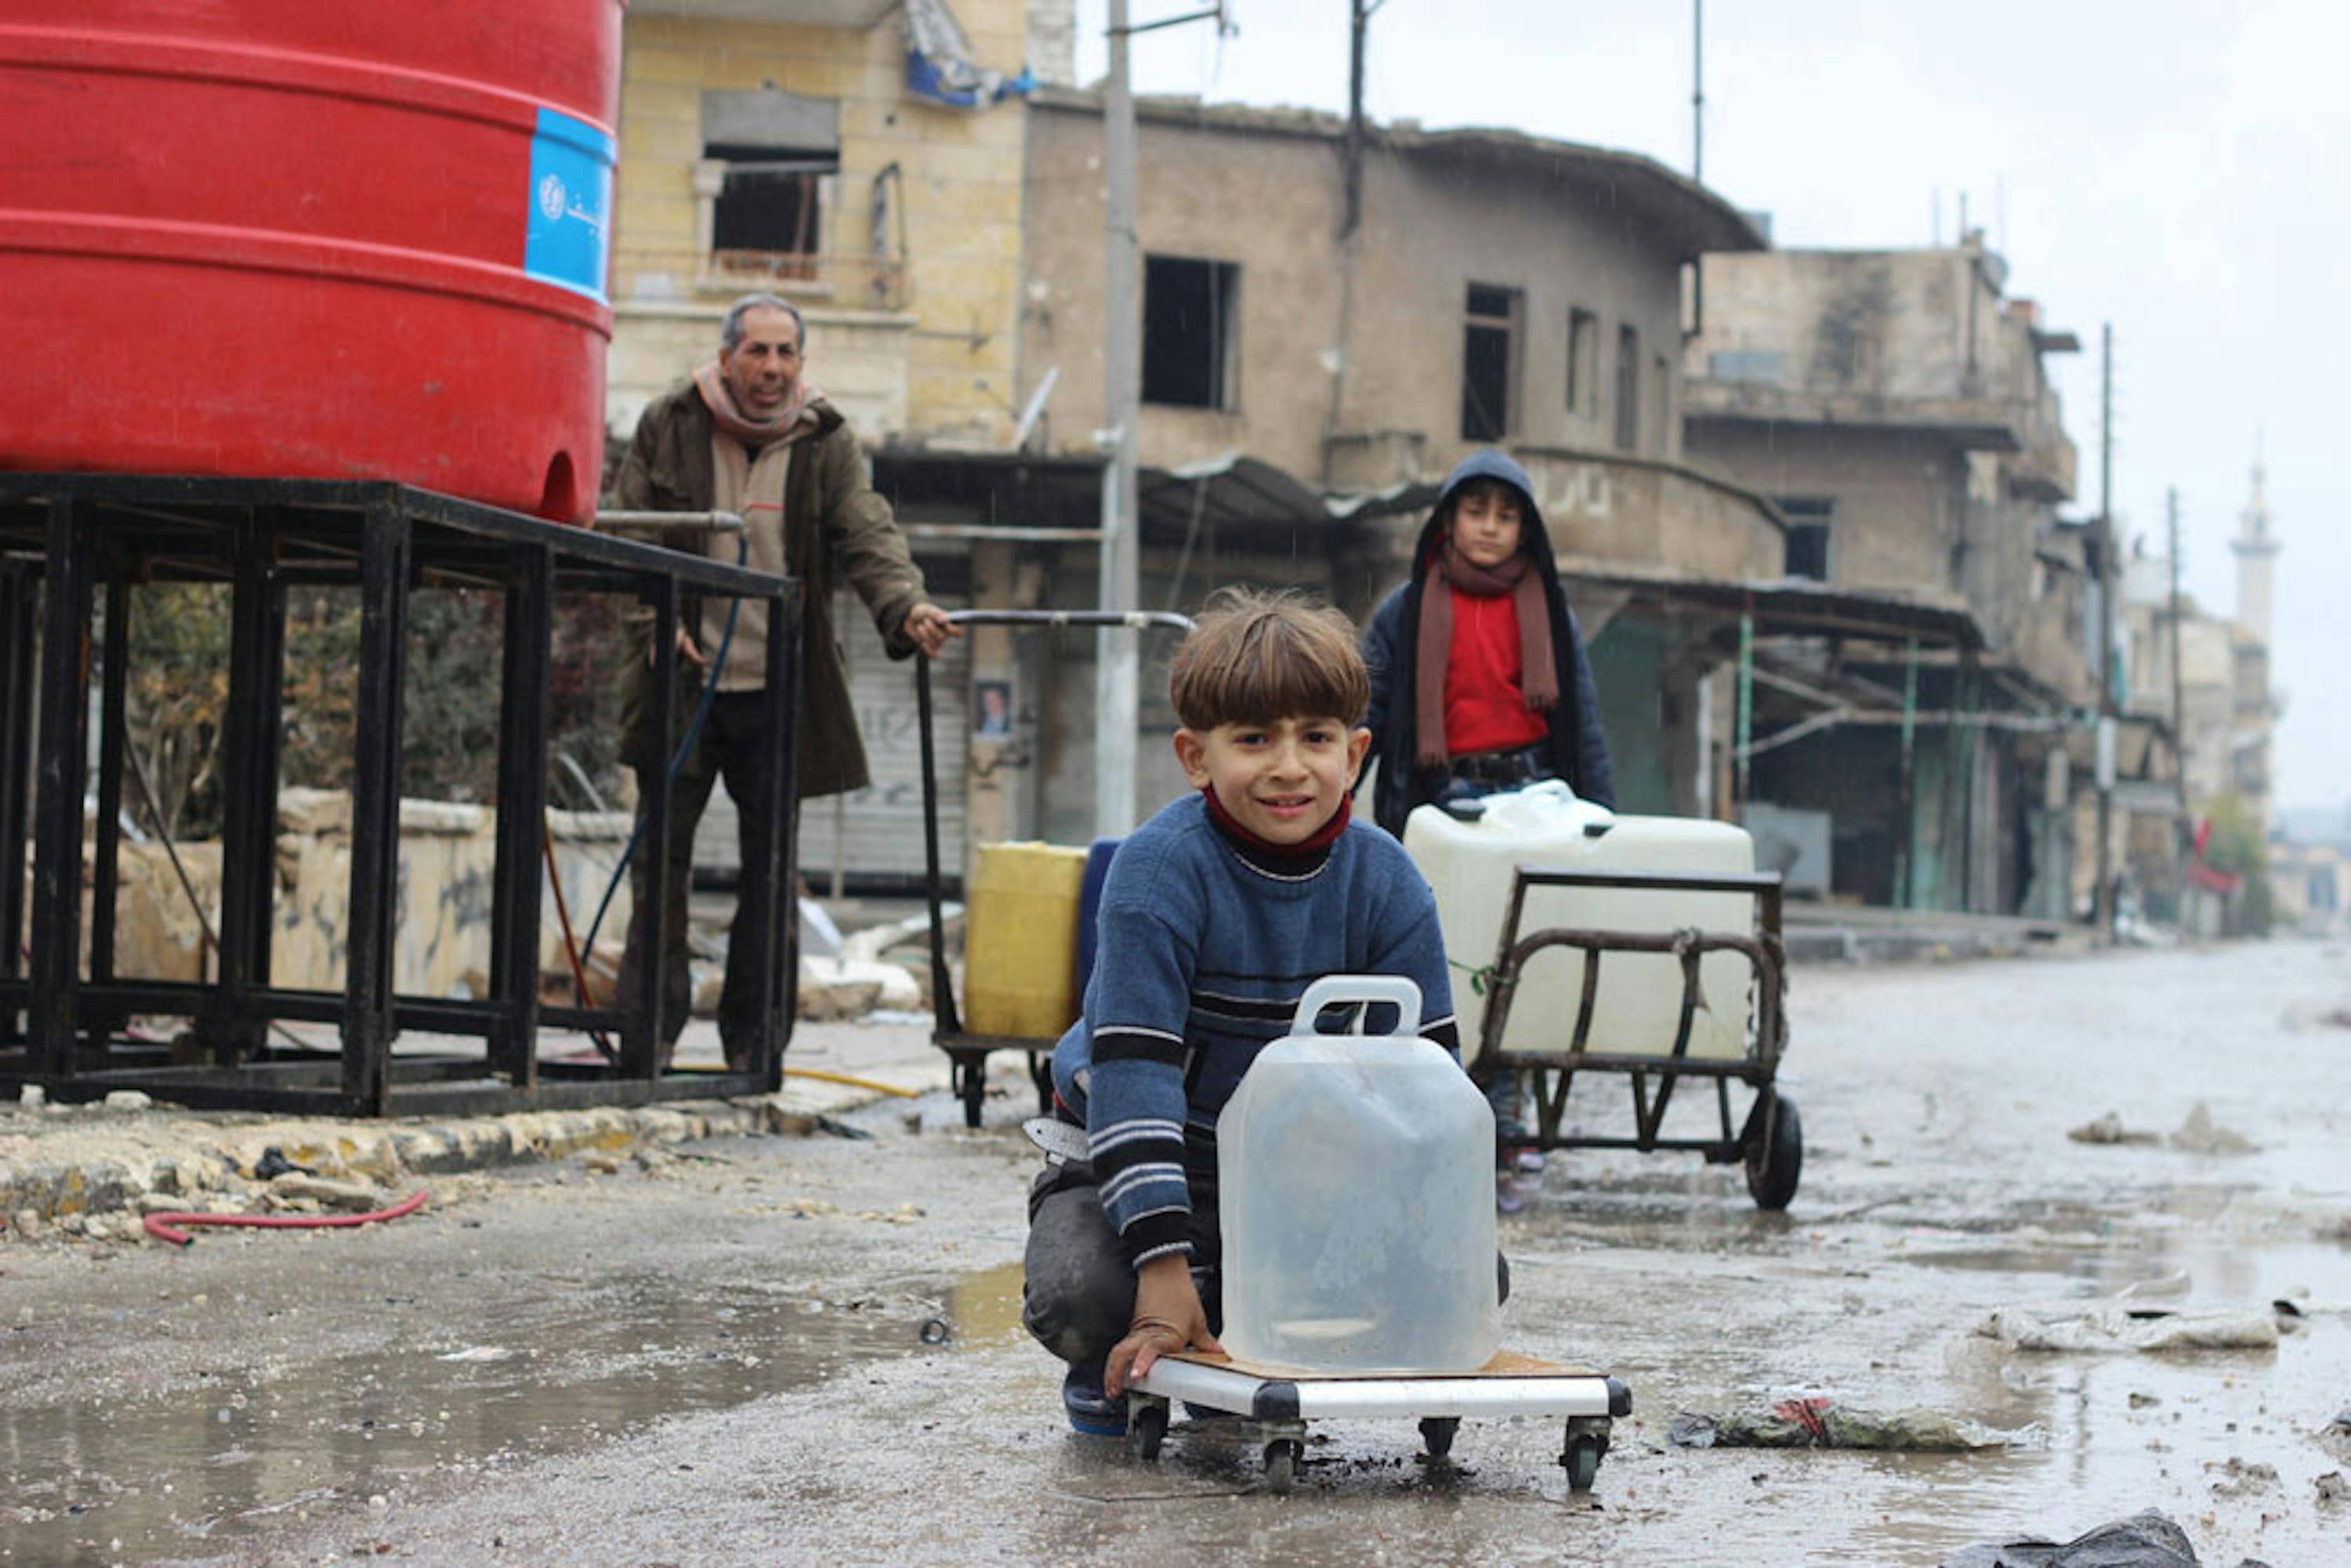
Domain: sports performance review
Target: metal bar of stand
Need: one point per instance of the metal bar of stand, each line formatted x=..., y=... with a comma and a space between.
x=248, y=845
x=17, y=602
x=268, y=735
x=521, y=812
x=106, y=859
x=640, y=1047
x=54, y=1001
x=367, y=1022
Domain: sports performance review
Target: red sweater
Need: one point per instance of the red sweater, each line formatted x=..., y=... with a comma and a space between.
x=1485, y=697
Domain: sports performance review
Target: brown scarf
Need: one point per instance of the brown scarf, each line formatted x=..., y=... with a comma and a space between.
x=1539, y=673
x=719, y=399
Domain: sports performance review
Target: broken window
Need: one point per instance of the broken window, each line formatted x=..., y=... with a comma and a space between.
x=1628, y=389
x=1488, y=362
x=1583, y=363
x=765, y=181
x=1808, y=534
x=1191, y=309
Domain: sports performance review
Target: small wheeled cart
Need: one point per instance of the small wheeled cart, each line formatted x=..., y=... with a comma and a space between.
x=1770, y=1140
x=1275, y=1405
x=967, y=1051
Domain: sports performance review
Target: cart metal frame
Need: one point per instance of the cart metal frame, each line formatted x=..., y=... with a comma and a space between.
x=968, y=1052
x=1275, y=1407
x=1769, y=1141
x=67, y=540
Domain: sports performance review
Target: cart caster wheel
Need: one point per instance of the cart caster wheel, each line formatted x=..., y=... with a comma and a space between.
x=1146, y=1428
x=1436, y=1434
x=1281, y=1465
x=1774, y=1149
x=972, y=1081
x=1583, y=1462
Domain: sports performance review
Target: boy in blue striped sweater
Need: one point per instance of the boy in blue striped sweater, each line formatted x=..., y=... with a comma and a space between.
x=1216, y=914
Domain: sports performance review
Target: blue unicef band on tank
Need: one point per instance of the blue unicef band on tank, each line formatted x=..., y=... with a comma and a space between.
x=566, y=240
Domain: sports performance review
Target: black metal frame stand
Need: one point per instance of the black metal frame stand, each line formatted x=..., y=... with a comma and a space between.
x=65, y=537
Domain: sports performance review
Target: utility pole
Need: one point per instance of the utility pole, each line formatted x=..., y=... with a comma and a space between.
x=1359, y=23
x=2103, y=902
x=1697, y=92
x=2178, y=699
x=1118, y=650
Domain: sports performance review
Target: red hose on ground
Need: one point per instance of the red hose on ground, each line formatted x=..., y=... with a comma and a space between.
x=163, y=1226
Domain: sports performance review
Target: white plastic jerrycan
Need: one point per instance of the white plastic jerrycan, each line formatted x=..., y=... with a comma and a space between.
x=1356, y=1195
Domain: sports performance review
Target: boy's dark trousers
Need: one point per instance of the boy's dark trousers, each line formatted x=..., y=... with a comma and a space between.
x=1079, y=1296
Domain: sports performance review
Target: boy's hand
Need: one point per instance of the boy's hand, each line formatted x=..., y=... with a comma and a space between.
x=1167, y=1317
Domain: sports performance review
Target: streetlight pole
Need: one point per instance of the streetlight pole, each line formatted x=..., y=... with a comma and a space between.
x=2102, y=901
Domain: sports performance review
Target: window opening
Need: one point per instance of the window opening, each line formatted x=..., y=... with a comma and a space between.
x=1190, y=311
x=1489, y=355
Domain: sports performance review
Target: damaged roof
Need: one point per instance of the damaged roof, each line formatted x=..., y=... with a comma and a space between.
x=1698, y=219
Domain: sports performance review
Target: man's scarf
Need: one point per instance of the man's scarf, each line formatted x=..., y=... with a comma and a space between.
x=1538, y=671
x=719, y=399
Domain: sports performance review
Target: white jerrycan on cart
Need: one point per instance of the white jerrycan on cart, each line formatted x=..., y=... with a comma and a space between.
x=1356, y=1198
x=1469, y=860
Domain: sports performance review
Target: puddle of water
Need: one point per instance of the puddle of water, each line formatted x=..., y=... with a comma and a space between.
x=101, y=1483
x=984, y=1308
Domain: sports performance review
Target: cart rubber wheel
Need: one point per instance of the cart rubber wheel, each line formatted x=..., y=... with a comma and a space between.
x=1436, y=1434
x=1281, y=1465
x=1146, y=1430
x=1775, y=1150
x=1582, y=1461
x=974, y=1077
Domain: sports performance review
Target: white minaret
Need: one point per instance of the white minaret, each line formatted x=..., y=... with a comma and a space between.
x=2256, y=563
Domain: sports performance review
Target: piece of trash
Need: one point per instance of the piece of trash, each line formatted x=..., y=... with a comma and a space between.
x=2111, y=1327
x=2109, y=1129
x=936, y=1331
x=1819, y=1423
x=2333, y=1488
x=274, y=1163
x=32, y=1096
x=2147, y=1539
x=479, y=1353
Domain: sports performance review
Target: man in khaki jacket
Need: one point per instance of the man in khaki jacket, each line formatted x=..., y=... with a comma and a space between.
x=746, y=434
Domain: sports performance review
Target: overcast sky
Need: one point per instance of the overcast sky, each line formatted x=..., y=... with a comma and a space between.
x=2171, y=166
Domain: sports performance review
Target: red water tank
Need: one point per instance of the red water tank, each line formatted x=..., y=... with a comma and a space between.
x=303, y=238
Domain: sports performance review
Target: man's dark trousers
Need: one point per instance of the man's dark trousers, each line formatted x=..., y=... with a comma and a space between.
x=736, y=745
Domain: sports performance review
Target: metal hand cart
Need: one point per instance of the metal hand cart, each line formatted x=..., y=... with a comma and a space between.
x=1275, y=1405
x=1770, y=1140
x=968, y=1052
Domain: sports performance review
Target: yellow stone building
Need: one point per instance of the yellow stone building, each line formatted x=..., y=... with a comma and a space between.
x=775, y=145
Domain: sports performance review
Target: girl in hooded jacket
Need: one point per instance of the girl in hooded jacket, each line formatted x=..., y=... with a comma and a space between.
x=1479, y=680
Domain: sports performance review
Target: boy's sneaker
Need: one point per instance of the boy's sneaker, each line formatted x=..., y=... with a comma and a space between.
x=1091, y=1411
x=1519, y=1179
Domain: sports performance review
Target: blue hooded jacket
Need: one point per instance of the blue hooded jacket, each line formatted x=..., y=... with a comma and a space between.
x=1578, y=751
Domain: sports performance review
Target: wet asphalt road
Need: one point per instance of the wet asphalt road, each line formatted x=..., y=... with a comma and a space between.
x=806, y=1349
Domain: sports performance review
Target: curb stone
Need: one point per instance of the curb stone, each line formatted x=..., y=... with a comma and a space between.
x=170, y=1153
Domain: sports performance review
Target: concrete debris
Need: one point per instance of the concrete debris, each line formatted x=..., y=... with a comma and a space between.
x=2108, y=1327
x=1819, y=1423
x=327, y=1192
x=2109, y=1129
x=2148, y=1539
x=2200, y=1136
x=2333, y=1488
x=2238, y=1478
x=128, y=1100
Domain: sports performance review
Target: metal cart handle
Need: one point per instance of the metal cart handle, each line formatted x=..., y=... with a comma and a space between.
x=943, y=1002
x=1332, y=991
